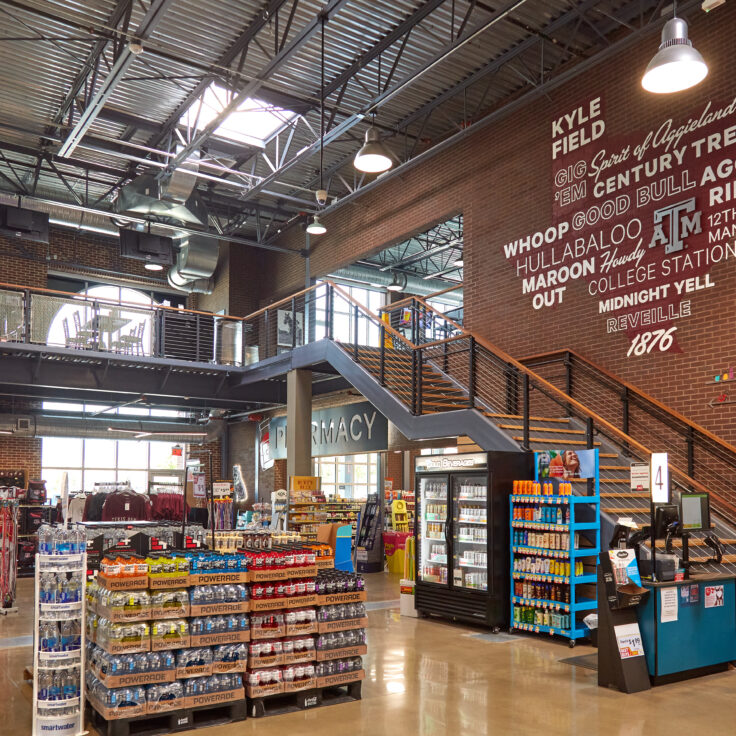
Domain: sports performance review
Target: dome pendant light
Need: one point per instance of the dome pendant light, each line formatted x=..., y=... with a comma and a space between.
x=315, y=227
x=373, y=158
x=677, y=65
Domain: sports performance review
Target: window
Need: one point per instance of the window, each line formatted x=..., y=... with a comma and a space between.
x=344, y=317
x=253, y=122
x=110, y=411
x=90, y=461
x=348, y=476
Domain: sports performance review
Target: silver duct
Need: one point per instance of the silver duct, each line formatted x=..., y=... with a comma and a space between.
x=97, y=428
x=414, y=285
x=195, y=265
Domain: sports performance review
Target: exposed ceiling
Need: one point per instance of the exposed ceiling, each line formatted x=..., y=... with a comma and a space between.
x=82, y=113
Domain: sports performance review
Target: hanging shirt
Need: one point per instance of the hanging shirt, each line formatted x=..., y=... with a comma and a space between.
x=126, y=506
x=77, y=505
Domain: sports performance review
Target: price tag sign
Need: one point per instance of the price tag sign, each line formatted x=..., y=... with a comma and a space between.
x=639, y=476
x=659, y=478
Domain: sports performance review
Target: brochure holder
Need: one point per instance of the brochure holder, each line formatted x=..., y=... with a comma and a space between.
x=621, y=661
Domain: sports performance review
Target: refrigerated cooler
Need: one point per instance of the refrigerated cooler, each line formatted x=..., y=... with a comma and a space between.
x=462, y=532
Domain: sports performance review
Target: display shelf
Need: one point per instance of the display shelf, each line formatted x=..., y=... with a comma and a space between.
x=435, y=517
x=438, y=560
x=462, y=563
x=470, y=540
x=582, y=522
x=482, y=522
x=477, y=499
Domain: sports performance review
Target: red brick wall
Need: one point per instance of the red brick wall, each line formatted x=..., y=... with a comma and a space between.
x=501, y=178
x=21, y=452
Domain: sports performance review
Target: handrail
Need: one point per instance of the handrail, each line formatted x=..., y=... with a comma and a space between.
x=443, y=291
x=76, y=296
x=672, y=412
x=370, y=314
x=285, y=300
x=444, y=316
x=563, y=399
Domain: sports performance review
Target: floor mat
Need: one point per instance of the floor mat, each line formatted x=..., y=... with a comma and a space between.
x=588, y=661
x=16, y=641
x=377, y=605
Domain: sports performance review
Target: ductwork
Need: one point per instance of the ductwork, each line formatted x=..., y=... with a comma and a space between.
x=195, y=265
x=100, y=428
x=413, y=285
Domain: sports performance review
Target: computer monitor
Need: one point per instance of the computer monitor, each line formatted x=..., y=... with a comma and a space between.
x=695, y=512
x=665, y=515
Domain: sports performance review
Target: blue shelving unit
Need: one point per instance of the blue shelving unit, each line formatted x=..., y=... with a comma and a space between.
x=583, y=518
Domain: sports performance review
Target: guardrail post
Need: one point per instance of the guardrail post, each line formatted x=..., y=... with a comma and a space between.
x=197, y=326
x=266, y=327
x=160, y=327
x=589, y=435
x=691, y=452
x=471, y=374
x=525, y=402
x=382, y=369
x=512, y=389
x=444, y=357
x=568, y=378
x=27, y=316
x=243, y=341
x=330, y=312
x=420, y=378
x=625, y=417
x=355, y=333
x=293, y=323
x=413, y=381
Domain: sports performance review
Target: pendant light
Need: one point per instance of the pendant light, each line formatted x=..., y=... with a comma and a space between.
x=677, y=65
x=315, y=227
x=373, y=157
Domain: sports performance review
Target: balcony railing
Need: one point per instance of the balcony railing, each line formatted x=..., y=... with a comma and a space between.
x=85, y=323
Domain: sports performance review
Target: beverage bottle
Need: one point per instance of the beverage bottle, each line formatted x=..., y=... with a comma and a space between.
x=44, y=684
x=47, y=586
x=45, y=539
x=56, y=686
x=70, y=685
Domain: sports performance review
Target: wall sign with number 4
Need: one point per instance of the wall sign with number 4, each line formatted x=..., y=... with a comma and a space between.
x=645, y=342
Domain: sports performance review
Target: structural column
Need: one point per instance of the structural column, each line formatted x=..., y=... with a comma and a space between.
x=299, y=423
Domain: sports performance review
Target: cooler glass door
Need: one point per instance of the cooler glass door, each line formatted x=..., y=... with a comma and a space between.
x=470, y=531
x=433, y=542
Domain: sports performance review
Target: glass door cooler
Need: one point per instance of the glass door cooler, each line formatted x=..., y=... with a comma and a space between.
x=432, y=549
x=462, y=533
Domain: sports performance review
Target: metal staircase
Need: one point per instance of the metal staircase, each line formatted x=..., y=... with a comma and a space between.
x=433, y=378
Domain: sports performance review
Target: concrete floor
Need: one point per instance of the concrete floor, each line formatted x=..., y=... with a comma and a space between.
x=431, y=678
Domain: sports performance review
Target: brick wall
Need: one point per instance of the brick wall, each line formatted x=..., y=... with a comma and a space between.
x=502, y=179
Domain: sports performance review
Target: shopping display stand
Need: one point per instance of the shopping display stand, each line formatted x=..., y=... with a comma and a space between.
x=56, y=713
x=8, y=549
x=541, y=614
x=280, y=698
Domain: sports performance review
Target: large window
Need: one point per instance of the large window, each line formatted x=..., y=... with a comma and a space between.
x=344, y=322
x=90, y=461
x=348, y=476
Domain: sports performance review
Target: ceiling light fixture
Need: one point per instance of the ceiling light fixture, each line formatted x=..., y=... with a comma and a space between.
x=135, y=46
x=315, y=227
x=677, y=65
x=153, y=267
x=373, y=158
x=399, y=282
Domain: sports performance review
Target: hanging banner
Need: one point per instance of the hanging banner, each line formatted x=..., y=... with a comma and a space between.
x=340, y=430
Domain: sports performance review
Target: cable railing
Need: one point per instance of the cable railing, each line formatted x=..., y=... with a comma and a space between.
x=81, y=322
x=693, y=450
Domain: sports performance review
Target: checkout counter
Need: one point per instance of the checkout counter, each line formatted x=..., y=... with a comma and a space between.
x=681, y=625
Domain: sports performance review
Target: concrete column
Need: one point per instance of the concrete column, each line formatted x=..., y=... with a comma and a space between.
x=299, y=422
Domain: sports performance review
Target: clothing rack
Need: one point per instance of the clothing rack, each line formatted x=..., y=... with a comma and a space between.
x=8, y=547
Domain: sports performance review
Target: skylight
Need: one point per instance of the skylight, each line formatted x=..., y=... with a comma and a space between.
x=252, y=123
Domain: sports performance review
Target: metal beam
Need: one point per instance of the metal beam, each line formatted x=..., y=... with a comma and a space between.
x=416, y=257
x=333, y=6
x=384, y=96
x=153, y=16
x=227, y=58
x=387, y=41
x=92, y=58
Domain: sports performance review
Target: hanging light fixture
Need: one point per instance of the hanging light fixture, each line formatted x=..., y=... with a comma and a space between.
x=315, y=227
x=677, y=65
x=373, y=158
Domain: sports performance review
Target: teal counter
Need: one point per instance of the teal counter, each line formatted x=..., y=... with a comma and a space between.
x=702, y=639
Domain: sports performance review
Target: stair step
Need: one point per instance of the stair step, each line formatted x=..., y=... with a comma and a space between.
x=626, y=510
x=519, y=416
x=614, y=467
x=426, y=390
x=692, y=542
x=543, y=429
x=609, y=455
x=603, y=480
x=556, y=441
x=453, y=407
x=632, y=494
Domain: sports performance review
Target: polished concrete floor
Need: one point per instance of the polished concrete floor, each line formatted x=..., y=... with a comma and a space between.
x=431, y=678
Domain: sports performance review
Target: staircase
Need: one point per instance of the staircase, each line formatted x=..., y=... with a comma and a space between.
x=429, y=373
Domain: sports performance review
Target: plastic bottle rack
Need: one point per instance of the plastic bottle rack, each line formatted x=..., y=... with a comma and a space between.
x=555, y=542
